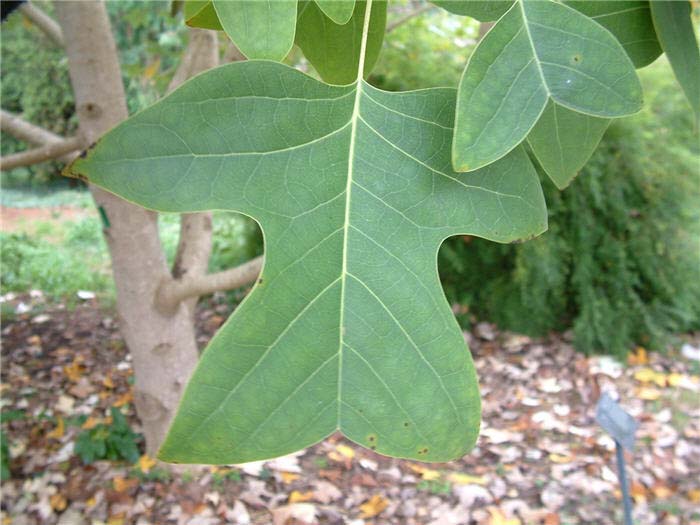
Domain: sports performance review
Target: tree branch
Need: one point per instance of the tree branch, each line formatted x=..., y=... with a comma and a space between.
x=23, y=130
x=401, y=21
x=52, y=150
x=173, y=291
x=44, y=22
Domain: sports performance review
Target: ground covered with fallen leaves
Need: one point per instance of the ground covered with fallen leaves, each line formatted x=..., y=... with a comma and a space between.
x=541, y=458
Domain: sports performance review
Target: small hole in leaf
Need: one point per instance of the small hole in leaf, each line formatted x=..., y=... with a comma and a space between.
x=373, y=447
x=576, y=59
x=372, y=438
x=424, y=450
x=406, y=423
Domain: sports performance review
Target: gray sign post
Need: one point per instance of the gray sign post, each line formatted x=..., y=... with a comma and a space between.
x=621, y=426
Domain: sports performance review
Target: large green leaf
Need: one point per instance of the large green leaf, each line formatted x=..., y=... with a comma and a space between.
x=563, y=140
x=482, y=10
x=259, y=28
x=675, y=31
x=347, y=328
x=333, y=49
x=630, y=22
x=339, y=11
x=538, y=51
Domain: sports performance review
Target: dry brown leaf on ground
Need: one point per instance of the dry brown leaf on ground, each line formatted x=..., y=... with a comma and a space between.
x=124, y=484
x=325, y=492
x=58, y=431
x=373, y=506
x=287, y=477
x=300, y=497
x=497, y=517
x=294, y=514
x=146, y=463
x=75, y=370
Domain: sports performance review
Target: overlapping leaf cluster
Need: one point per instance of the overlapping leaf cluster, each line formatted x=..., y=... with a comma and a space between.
x=355, y=189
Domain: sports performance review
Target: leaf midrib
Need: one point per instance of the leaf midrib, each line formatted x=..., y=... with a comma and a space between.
x=348, y=196
x=521, y=4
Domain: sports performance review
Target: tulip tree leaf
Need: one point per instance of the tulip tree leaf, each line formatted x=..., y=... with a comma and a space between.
x=347, y=327
x=201, y=13
x=563, y=140
x=259, y=28
x=630, y=22
x=333, y=49
x=339, y=11
x=538, y=51
x=674, y=28
x=482, y=10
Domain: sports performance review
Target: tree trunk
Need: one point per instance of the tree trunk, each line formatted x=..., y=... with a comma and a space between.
x=162, y=346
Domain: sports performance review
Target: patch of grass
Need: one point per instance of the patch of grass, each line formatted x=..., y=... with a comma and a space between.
x=44, y=197
x=220, y=476
x=436, y=487
x=187, y=477
x=12, y=415
x=154, y=474
x=59, y=270
x=668, y=507
x=321, y=462
x=4, y=458
x=61, y=257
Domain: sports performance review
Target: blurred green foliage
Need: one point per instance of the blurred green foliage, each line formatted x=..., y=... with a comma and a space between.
x=4, y=458
x=58, y=267
x=150, y=44
x=620, y=263
x=428, y=50
x=61, y=257
x=35, y=82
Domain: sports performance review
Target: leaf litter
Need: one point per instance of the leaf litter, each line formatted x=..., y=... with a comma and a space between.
x=540, y=458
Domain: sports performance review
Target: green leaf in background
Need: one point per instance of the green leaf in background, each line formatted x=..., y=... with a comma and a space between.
x=563, y=140
x=482, y=10
x=260, y=29
x=630, y=22
x=539, y=50
x=347, y=328
x=334, y=50
x=339, y=11
x=674, y=29
x=201, y=13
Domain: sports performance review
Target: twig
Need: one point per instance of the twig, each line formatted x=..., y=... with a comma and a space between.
x=26, y=131
x=44, y=22
x=52, y=150
x=407, y=17
x=172, y=291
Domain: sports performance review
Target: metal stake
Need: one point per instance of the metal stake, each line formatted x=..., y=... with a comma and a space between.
x=627, y=503
x=621, y=426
